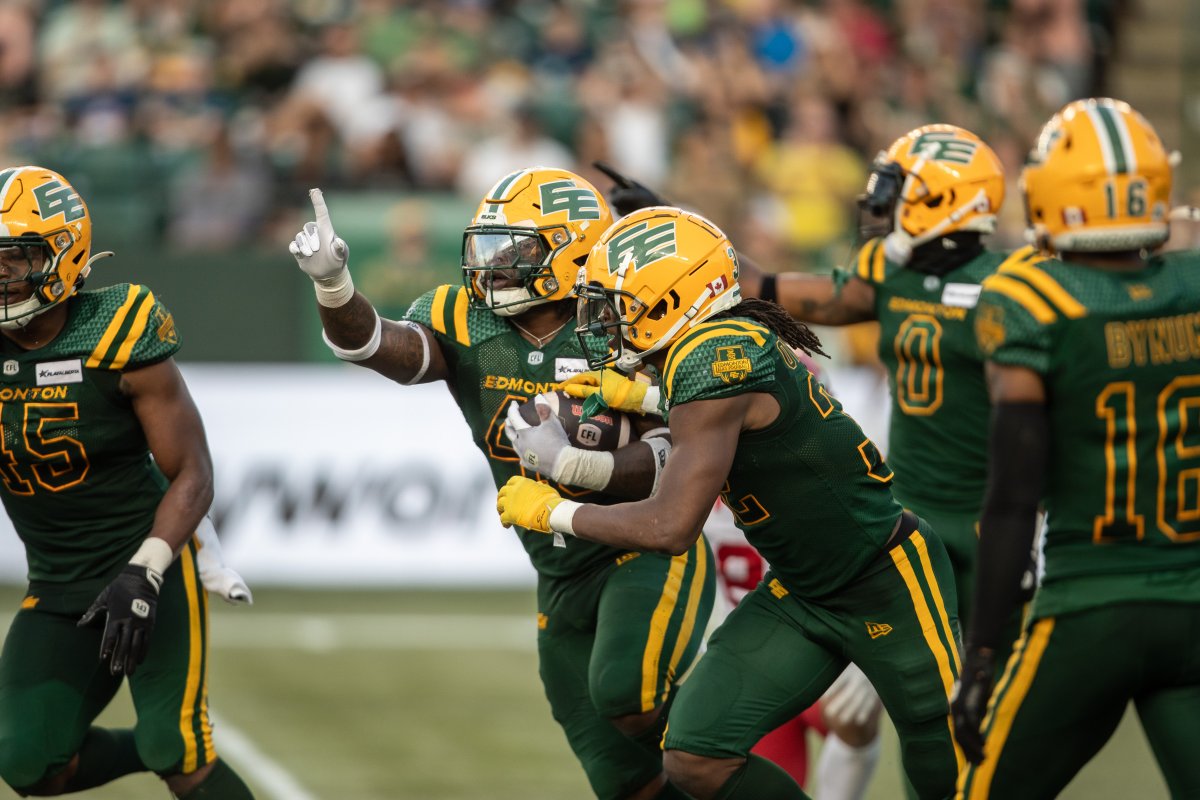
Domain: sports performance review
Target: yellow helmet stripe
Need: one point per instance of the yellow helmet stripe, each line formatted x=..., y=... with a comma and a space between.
x=1027, y=298
x=497, y=192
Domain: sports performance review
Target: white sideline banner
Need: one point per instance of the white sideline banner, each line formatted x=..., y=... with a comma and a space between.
x=333, y=475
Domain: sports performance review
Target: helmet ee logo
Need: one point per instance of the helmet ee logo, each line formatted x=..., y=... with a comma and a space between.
x=53, y=198
x=944, y=146
x=579, y=203
x=641, y=245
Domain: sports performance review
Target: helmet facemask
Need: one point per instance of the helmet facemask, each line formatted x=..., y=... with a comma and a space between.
x=508, y=269
x=28, y=270
x=528, y=239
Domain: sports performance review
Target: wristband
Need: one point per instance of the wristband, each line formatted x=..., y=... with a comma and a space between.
x=583, y=468
x=154, y=554
x=661, y=448
x=650, y=401
x=767, y=290
x=336, y=290
x=362, y=353
x=562, y=517
x=425, y=355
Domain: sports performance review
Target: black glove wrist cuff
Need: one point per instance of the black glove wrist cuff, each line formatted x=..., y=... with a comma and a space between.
x=768, y=290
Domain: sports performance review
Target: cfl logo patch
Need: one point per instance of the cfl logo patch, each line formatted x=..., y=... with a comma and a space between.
x=141, y=608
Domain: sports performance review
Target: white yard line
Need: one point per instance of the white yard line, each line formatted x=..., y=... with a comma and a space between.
x=263, y=771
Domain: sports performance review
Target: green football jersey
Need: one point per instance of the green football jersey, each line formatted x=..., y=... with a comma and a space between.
x=811, y=491
x=491, y=365
x=1120, y=357
x=937, y=440
x=78, y=480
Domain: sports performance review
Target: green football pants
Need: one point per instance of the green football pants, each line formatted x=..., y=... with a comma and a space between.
x=53, y=685
x=613, y=642
x=1066, y=687
x=777, y=653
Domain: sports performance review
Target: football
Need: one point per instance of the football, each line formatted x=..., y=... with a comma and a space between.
x=606, y=431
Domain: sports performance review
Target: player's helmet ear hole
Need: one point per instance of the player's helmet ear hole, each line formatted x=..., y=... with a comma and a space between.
x=934, y=202
x=674, y=295
x=581, y=260
x=660, y=310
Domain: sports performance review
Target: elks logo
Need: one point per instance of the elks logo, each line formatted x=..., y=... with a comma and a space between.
x=731, y=364
x=877, y=629
x=165, y=326
x=54, y=198
x=579, y=203
x=989, y=328
x=944, y=146
x=641, y=246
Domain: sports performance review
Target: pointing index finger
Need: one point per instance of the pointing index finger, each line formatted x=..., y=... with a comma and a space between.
x=620, y=180
x=318, y=204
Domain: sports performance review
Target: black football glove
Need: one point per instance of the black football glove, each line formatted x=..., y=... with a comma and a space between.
x=129, y=603
x=626, y=194
x=969, y=703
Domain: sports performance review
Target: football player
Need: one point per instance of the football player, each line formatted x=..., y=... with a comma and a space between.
x=616, y=627
x=106, y=478
x=1094, y=372
x=854, y=577
x=938, y=189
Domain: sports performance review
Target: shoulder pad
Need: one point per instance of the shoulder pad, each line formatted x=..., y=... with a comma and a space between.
x=447, y=311
x=871, y=264
x=719, y=358
x=1024, y=278
x=124, y=326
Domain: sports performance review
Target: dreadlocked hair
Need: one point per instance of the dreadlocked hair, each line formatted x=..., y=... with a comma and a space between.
x=773, y=316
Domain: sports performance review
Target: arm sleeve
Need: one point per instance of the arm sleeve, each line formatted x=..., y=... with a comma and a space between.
x=1017, y=456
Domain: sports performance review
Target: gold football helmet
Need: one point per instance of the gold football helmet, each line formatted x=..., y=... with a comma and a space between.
x=933, y=181
x=1097, y=180
x=653, y=276
x=529, y=238
x=45, y=240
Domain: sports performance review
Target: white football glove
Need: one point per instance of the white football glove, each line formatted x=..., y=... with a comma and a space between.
x=216, y=576
x=851, y=698
x=323, y=256
x=540, y=447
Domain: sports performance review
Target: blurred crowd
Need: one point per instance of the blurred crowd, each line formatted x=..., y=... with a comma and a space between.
x=204, y=121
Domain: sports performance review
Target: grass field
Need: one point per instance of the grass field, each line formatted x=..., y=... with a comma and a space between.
x=415, y=695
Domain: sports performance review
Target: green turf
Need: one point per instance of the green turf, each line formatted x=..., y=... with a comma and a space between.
x=428, y=724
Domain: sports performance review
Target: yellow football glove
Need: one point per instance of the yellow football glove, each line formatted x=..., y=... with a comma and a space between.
x=617, y=391
x=527, y=504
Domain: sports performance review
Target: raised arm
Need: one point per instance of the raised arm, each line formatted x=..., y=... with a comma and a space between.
x=810, y=298
x=403, y=351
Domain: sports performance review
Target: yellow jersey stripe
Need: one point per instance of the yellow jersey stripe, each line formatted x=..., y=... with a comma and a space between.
x=461, y=303
x=1051, y=289
x=905, y=568
x=195, y=662
x=1027, y=298
x=680, y=352
x=689, y=614
x=1000, y=717
x=135, y=332
x=864, y=260
x=878, y=262
x=659, y=621
x=110, y=332
x=437, y=314
x=1019, y=256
